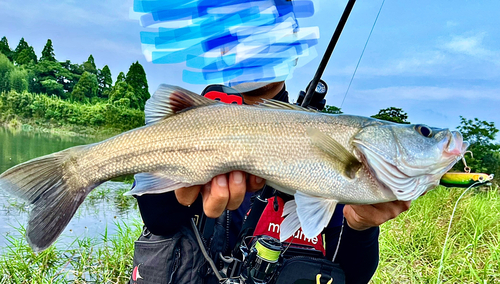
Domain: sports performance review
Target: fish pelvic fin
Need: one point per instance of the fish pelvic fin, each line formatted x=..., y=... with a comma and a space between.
x=54, y=194
x=336, y=151
x=169, y=100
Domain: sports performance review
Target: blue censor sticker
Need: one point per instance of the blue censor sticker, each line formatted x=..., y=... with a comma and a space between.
x=228, y=41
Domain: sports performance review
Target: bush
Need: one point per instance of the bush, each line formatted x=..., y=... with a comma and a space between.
x=53, y=109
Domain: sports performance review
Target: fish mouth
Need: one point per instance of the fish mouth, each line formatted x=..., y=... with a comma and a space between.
x=456, y=146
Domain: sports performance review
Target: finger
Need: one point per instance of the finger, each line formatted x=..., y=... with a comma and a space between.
x=187, y=195
x=255, y=183
x=237, y=189
x=215, y=196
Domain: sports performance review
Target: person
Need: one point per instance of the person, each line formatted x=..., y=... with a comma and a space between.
x=166, y=214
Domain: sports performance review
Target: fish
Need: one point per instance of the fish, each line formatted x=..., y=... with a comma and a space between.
x=321, y=159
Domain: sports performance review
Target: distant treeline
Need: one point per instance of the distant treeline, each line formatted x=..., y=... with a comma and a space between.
x=66, y=92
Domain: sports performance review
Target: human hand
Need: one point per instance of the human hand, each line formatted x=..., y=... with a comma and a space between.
x=362, y=217
x=225, y=191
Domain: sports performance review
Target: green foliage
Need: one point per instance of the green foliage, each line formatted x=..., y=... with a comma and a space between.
x=331, y=109
x=18, y=80
x=5, y=48
x=103, y=259
x=105, y=81
x=124, y=95
x=5, y=68
x=53, y=109
x=74, y=72
x=121, y=77
x=411, y=244
x=393, y=114
x=136, y=78
x=89, y=65
x=49, y=78
x=51, y=87
x=24, y=53
x=48, y=52
x=486, y=154
x=86, y=88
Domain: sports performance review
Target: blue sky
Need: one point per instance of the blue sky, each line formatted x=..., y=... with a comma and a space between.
x=435, y=59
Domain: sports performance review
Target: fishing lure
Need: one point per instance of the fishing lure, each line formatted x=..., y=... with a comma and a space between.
x=465, y=179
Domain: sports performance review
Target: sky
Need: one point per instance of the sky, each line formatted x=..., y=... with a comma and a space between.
x=437, y=60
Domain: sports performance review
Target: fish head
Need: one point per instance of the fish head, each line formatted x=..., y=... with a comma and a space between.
x=409, y=159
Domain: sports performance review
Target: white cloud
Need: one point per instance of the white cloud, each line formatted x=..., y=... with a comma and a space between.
x=471, y=45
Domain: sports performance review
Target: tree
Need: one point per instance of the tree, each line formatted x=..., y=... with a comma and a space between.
x=331, y=109
x=5, y=68
x=392, y=114
x=18, y=80
x=48, y=52
x=48, y=77
x=5, y=48
x=121, y=77
x=485, y=153
x=24, y=53
x=73, y=74
x=89, y=65
x=86, y=88
x=26, y=56
x=136, y=78
x=105, y=81
x=122, y=94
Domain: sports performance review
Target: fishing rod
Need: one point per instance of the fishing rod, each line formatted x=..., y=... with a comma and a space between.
x=311, y=89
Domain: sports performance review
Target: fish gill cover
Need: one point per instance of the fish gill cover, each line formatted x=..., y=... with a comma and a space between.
x=228, y=41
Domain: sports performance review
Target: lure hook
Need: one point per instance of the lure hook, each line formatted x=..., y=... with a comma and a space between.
x=467, y=169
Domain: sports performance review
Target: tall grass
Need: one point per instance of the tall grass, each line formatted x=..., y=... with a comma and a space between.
x=411, y=245
x=105, y=259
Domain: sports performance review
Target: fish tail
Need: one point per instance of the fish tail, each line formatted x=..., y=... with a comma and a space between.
x=54, y=191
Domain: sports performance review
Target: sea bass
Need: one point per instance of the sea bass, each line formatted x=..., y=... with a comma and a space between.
x=321, y=159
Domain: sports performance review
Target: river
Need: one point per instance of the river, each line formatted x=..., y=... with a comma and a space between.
x=104, y=207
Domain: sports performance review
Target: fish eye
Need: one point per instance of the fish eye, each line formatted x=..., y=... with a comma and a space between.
x=481, y=178
x=424, y=130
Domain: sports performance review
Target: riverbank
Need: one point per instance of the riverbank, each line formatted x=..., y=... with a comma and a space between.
x=16, y=123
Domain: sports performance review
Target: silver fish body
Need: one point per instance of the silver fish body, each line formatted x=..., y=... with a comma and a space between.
x=322, y=159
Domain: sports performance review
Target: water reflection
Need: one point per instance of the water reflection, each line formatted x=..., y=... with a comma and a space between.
x=105, y=204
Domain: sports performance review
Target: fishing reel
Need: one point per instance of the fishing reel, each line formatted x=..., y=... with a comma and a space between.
x=261, y=260
x=318, y=100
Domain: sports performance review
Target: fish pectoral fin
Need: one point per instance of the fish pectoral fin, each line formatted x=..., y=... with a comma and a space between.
x=335, y=150
x=314, y=213
x=291, y=223
x=169, y=100
x=154, y=183
x=311, y=213
x=269, y=103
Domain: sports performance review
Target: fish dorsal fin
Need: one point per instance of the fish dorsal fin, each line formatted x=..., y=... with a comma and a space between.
x=282, y=105
x=169, y=100
x=335, y=150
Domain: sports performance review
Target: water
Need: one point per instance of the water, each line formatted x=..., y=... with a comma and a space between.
x=105, y=206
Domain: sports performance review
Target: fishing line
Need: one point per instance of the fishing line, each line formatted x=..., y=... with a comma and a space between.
x=338, y=242
x=364, y=48
x=448, y=232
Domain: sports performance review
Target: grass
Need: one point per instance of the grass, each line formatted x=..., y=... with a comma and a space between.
x=107, y=259
x=410, y=247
